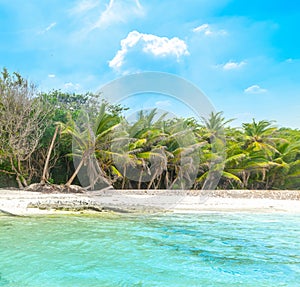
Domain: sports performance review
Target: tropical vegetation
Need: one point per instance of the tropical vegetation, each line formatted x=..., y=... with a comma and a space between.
x=42, y=135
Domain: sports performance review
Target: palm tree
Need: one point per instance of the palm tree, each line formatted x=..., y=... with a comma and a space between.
x=213, y=156
x=285, y=169
x=214, y=125
x=83, y=144
x=183, y=153
x=87, y=138
x=260, y=144
x=259, y=137
x=146, y=135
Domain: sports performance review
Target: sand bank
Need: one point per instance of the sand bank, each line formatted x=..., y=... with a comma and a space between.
x=24, y=203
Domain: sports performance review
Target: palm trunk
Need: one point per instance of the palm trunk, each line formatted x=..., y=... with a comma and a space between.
x=174, y=181
x=140, y=179
x=166, y=181
x=124, y=177
x=45, y=171
x=98, y=173
x=158, y=183
x=152, y=180
x=67, y=185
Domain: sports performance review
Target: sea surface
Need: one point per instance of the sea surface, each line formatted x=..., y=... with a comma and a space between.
x=151, y=250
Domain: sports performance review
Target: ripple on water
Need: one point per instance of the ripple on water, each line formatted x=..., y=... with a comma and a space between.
x=153, y=250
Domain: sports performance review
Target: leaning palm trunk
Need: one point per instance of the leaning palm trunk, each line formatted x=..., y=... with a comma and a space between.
x=151, y=181
x=158, y=182
x=96, y=174
x=46, y=167
x=71, y=179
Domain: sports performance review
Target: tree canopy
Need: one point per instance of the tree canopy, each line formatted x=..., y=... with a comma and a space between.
x=43, y=134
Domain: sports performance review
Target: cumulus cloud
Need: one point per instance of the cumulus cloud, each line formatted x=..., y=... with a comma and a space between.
x=255, y=89
x=207, y=30
x=233, y=65
x=150, y=44
x=51, y=76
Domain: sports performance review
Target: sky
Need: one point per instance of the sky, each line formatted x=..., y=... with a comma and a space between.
x=243, y=55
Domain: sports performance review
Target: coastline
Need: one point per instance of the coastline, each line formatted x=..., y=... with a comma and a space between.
x=26, y=203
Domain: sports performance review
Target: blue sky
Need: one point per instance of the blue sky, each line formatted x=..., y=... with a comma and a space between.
x=244, y=55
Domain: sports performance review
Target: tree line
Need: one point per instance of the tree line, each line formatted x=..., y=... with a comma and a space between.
x=43, y=134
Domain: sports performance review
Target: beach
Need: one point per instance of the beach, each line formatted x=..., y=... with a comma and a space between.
x=25, y=203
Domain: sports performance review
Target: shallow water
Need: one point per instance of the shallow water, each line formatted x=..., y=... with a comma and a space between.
x=151, y=250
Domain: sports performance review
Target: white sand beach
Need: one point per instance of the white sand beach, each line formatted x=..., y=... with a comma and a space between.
x=25, y=203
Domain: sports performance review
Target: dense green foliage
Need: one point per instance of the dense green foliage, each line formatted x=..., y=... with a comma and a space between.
x=152, y=152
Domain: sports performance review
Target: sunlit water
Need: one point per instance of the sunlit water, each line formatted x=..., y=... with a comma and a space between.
x=151, y=250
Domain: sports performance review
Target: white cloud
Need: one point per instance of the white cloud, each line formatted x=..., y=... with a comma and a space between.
x=163, y=104
x=84, y=6
x=118, y=11
x=203, y=28
x=48, y=28
x=151, y=44
x=51, y=26
x=233, y=65
x=255, y=89
x=207, y=30
x=51, y=76
x=71, y=87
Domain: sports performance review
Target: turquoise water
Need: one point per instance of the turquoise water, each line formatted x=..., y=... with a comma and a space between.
x=157, y=250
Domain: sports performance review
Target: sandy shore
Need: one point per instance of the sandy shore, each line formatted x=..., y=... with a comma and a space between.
x=25, y=203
